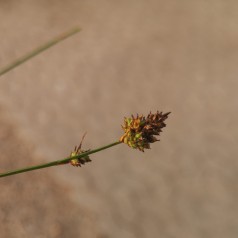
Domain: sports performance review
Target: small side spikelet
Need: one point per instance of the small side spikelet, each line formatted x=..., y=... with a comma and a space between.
x=77, y=151
x=140, y=131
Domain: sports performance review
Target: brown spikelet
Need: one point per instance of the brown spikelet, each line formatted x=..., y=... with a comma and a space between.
x=141, y=131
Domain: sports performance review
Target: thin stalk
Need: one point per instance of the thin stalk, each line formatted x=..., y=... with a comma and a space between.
x=37, y=51
x=57, y=162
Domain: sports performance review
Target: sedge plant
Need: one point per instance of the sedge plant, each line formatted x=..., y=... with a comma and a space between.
x=139, y=131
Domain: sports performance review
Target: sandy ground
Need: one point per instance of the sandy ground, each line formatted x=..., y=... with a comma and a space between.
x=131, y=56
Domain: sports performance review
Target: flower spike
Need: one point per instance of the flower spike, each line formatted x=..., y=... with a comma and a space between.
x=141, y=131
x=77, y=151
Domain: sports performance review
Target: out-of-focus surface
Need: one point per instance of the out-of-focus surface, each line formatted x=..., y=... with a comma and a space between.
x=36, y=205
x=131, y=56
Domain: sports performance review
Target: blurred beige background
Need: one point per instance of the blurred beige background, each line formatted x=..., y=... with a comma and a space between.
x=131, y=56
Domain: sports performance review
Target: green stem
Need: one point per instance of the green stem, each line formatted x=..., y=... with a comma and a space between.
x=38, y=51
x=58, y=162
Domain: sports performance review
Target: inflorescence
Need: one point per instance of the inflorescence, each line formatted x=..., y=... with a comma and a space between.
x=77, y=151
x=141, y=131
